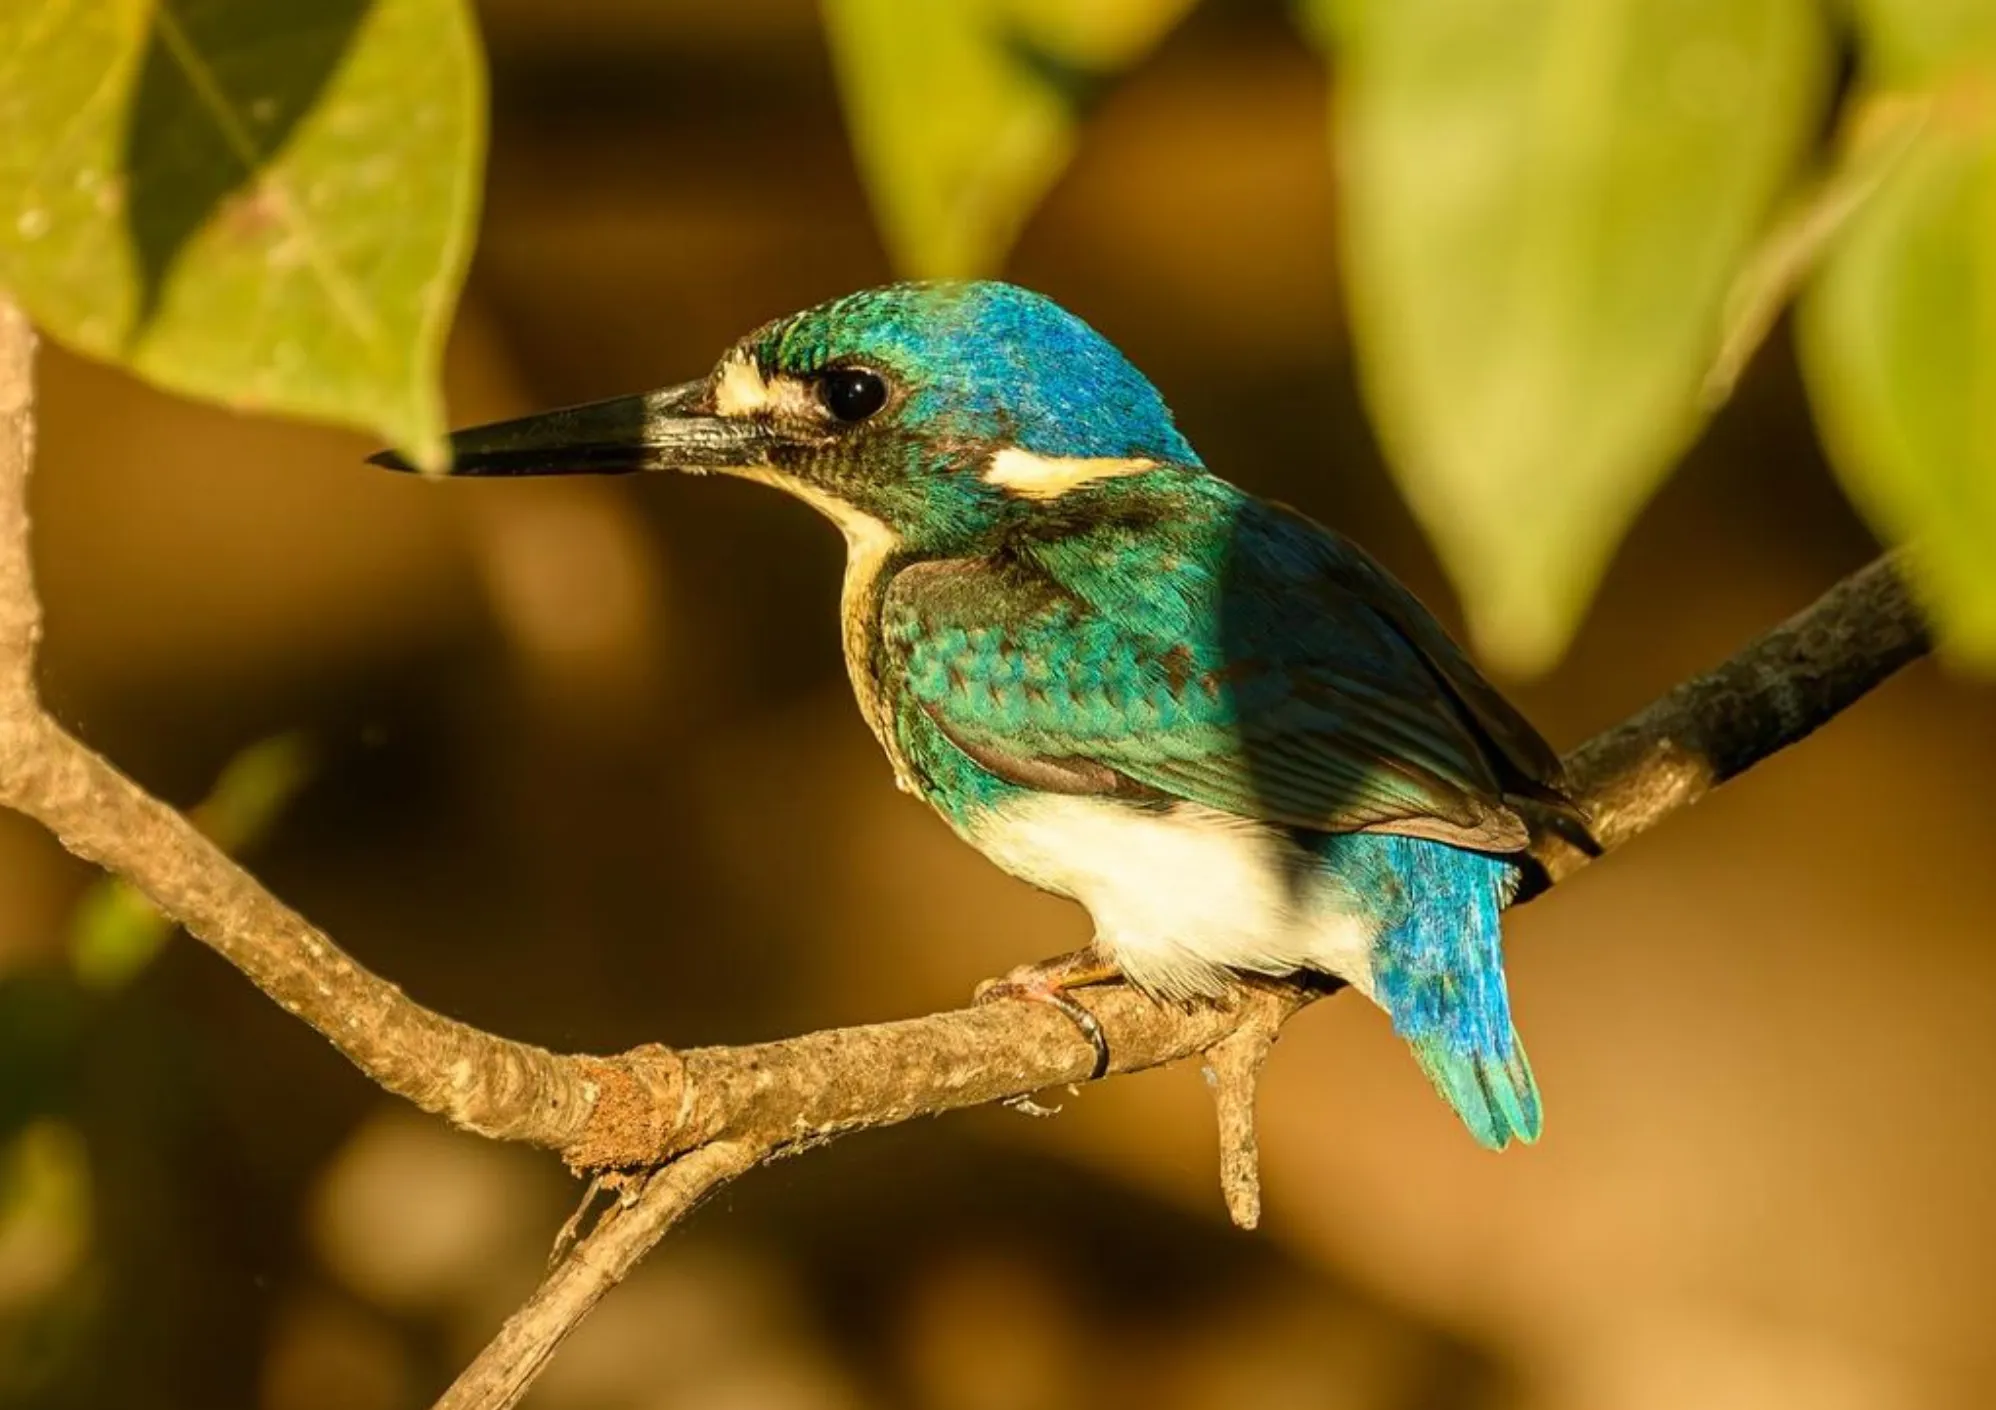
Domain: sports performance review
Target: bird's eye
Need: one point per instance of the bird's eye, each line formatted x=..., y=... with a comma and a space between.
x=852, y=393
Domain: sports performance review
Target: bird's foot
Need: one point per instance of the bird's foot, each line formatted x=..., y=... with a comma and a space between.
x=1047, y=982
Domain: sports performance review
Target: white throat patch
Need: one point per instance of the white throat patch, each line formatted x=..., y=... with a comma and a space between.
x=870, y=543
x=1050, y=477
x=866, y=537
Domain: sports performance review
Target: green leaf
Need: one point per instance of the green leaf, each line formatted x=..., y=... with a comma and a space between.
x=51, y=1277
x=1910, y=41
x=1545, y=203
x=267, y=204
x=1898, y=344
x=1790, y=251
x=45, y=1212
x=962, y=112
x=115, y=932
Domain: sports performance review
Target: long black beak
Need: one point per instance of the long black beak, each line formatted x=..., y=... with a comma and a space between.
x=668, y=430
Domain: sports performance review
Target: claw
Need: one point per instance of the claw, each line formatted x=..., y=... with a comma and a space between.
x=1048, y=983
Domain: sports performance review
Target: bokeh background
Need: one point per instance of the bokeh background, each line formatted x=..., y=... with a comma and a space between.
x=580, y=766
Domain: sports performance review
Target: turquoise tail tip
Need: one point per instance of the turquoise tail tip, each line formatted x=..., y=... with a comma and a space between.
x=1496, y=1096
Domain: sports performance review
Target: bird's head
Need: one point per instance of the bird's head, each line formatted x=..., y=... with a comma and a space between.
x=937, y=413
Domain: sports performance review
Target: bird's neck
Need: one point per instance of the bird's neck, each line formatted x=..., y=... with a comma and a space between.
x=874, y=553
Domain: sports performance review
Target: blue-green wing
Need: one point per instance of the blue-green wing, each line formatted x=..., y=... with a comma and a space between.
x=1242, y=658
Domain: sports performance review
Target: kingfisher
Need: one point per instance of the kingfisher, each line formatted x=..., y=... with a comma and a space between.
x=1223, y=729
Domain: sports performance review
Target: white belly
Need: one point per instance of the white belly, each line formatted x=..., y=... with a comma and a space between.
x=1181, y=896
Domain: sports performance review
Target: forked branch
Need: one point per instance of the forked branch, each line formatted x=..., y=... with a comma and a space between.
x=701, y=1117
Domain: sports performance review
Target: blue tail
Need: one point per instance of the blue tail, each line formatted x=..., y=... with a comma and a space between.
x=1494, y=1095
x=1438, y=971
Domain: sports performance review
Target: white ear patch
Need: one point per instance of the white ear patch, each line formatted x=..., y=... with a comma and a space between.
x=1050, y=477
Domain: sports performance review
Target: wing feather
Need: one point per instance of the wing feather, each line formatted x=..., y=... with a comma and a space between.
x=1296, y=682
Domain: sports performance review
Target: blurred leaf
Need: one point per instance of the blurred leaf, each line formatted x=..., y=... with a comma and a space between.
x=1790, y=252
x=267, y=204
x=116, y=931
x=50, y=1299
x=962, y=112
x=44, y=1212
x=44, y=1027
x=114, y=934
x=1911, y=41
x=1898, y=345
x=1545, y=203
x=253, y=791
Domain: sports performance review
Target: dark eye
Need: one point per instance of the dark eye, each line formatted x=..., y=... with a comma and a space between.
x=852, y=393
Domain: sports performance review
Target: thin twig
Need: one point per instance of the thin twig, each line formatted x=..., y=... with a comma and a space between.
x=508, y=1365
x=1233, y=1069
x=1777, y=690
x=20, y=605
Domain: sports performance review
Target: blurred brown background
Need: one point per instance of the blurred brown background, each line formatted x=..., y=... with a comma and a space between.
x=588, y=775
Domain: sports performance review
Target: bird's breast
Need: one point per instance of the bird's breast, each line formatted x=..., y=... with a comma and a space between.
x=1182, y=894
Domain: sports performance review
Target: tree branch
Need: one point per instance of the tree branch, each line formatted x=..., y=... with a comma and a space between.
x=491, y=1085
x=707, y=1115
x=510, y=1361
x=1777, y=690
x=20, y=606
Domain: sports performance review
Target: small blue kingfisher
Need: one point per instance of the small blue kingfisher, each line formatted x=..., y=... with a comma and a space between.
x=1223, y=729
